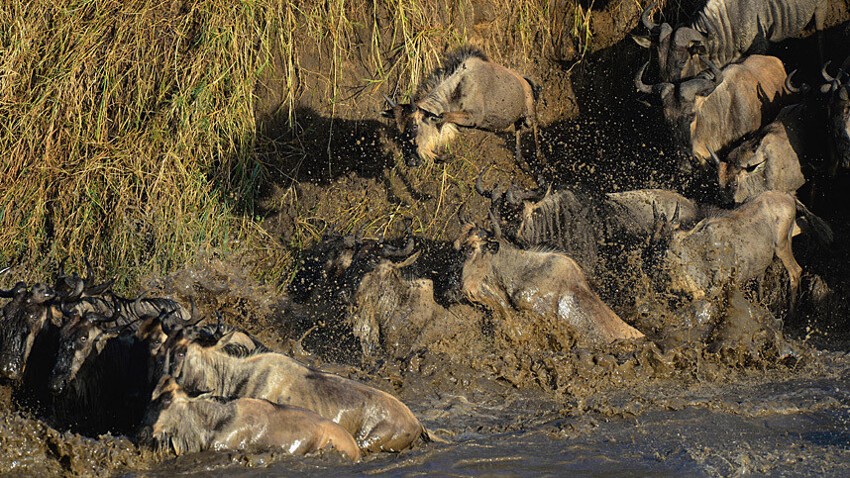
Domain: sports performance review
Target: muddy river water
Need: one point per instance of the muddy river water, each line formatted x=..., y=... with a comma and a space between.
x=766, y=423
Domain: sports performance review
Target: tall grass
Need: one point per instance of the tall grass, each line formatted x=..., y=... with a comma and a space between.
x=130, y=127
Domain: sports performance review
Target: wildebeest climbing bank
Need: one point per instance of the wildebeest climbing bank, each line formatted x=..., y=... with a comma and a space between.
x=452, y=238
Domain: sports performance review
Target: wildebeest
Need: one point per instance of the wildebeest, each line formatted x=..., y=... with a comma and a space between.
x=734, y=246
x=838, y=111
x=183, y=424
x=576, y=222
x=377, y=420
x=768, y=161
x=505, y=278
x=469, y=91
x=25, y=318
x=718, y=107
x=725, y=31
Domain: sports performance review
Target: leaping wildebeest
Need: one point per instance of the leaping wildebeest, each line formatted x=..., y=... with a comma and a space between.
x=184, y=424
x=468, y=91
x=725, y=31
x=734, y=246
x=719, y=107
x=507, y=279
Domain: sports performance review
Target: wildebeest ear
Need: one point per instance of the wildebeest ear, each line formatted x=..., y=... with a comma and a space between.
x=842, y=93
x=644, y=41
x=389, y=113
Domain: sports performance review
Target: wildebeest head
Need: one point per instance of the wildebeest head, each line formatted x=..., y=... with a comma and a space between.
x=81, y=338
x=72, y=287
x=25, y=317
x=680, y=101
x=421, y=131
x=154, y=431
x=679, y=51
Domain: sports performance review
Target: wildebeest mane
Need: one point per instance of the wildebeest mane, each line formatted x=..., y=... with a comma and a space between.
x=451, y=62
x=566, y=223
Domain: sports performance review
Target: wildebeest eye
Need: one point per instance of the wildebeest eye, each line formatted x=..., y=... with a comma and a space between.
x=83, y=339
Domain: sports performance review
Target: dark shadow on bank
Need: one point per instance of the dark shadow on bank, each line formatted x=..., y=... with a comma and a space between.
x=320, y=149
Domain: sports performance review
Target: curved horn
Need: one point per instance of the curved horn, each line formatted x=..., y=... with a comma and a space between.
x=641, y=86
x=391, y=251
x=494, y=220
x=714, y=159
x=389, y=101
x=479, y=184
x=825, y=74
x=15, y=290
x=646, y=17
x=194, y=315
x=789, y=85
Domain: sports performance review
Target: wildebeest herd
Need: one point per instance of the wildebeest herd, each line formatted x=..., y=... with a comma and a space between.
x=153, y=368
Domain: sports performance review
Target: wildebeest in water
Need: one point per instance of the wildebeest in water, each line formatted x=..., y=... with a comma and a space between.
x=725, y=31
x=187, y=425
x=733, y=247
x=377, y=420
x=548, y=284
x=468, y=91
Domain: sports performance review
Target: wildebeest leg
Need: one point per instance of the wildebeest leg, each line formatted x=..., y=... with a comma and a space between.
x=518, y=150
x=786, y=255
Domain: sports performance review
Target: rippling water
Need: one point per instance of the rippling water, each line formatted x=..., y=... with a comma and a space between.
x=787, y=427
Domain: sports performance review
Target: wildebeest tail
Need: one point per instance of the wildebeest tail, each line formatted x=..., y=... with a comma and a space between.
x=821, y=229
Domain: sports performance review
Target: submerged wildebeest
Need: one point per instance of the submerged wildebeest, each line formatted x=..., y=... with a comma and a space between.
x=468, y=91
x=183, y=424
x=838, y=111
x=105, y=367
x=734, y=246
x=551, y=285
x=377, y=420
x=768, y=161
x=719, y=107
x=726, y=30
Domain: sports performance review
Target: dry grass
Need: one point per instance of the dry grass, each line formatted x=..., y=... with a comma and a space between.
x=129, y=133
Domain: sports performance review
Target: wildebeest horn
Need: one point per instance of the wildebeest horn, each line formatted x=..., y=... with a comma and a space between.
x=390, y=102
x=494, y=220
x=825, y=74
x=789, y=84
x=194, y=314
x=16, y=289
x=714, y=159
x=391, y=251
x=641, y=86
x=479, y=184
x=516, y=195
x=646, y=17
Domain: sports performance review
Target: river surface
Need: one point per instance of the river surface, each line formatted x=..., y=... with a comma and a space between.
x=771, y=424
